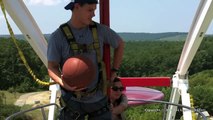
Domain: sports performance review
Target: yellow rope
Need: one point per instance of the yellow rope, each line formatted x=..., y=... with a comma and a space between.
x=20, y=52
x=192, y=105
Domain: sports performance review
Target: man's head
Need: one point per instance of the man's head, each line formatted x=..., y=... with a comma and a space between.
x=70, y=6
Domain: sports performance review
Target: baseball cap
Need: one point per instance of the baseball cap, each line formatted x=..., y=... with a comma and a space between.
x=71, y=4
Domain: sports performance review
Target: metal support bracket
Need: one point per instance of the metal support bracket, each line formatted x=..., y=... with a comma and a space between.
x=180, y=88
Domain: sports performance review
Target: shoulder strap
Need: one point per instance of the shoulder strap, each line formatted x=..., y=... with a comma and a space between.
x=96, y=46
x=65, y=28
x=101, y=64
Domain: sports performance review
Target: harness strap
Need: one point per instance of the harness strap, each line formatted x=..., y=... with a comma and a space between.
x=76, y=114
x=80, y=94
x=63, y=112
x=70, y=38
x=67, y=32
x=79, y=48
x=100, y=111
x=101, y=64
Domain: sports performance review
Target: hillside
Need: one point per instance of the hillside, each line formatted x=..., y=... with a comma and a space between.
x=128, y=36
x=168, y=36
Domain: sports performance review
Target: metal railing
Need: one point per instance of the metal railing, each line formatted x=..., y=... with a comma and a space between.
x=32, y=109
x=200, y=114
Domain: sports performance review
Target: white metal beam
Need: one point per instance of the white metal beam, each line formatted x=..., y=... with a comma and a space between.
x=54, y=90
x=197, y=31
x=28, y=26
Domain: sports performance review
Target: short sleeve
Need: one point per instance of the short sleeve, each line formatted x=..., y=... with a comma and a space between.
x=109, y=36
x=53, y=50
x=124, y=100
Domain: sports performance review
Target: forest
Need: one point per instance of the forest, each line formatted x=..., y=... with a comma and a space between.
x=141, y=59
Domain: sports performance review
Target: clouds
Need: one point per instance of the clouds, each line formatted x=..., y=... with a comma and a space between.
x=44, y=2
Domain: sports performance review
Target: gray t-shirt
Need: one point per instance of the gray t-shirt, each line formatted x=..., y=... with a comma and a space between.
x=59, y=50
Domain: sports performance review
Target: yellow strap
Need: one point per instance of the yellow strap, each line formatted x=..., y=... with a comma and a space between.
x=19, y=50
x=74, y=46
x=67, y=32
x=192, y=105
x=98, y=54
x=95, y=46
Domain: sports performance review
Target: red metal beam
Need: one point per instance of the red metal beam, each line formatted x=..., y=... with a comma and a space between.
x=127, y=81
x=104, y=12
x=104, y=19
x=146, y=81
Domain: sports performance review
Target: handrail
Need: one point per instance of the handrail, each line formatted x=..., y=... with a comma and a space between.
x=35, y=108
x=169, y=103
x=144, y=100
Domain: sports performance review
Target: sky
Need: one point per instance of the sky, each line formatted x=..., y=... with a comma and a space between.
x=150, y=16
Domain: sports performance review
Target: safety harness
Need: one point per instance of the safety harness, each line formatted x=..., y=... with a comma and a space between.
x=80, y=48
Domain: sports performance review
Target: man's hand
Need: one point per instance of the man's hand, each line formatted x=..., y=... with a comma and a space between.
x=69, y=88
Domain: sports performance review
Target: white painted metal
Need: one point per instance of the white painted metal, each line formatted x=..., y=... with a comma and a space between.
x=174, y=97
x=185, y=98
x=29, y=28
x=27, y=25
x=197, y=31
x=54, y=90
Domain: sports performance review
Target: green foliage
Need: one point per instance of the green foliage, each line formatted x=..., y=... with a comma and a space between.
x=7, y=110
x=145, y=112
x=203, y=58
x=2, y=98
x=150, y=58
x=13, y=74
x=201, y=89
x=141, y=58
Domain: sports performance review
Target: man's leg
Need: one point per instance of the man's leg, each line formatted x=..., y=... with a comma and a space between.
x=99, y=110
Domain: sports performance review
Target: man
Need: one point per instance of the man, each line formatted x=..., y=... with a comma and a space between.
x=94, y=103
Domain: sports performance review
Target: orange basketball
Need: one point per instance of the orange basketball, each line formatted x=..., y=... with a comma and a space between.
x=78, y=71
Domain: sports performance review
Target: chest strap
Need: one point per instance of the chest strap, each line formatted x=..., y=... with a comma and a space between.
x=80, y=48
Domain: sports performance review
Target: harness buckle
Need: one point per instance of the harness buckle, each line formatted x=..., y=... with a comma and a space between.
x=78, y=95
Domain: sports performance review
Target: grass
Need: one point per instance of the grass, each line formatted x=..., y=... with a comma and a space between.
x=9, y=98
x=35, y=114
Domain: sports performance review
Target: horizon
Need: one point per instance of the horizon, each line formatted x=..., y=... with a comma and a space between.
x=117, y=32
x=149, y=16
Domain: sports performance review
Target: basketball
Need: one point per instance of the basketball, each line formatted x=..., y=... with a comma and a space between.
x=78, y=71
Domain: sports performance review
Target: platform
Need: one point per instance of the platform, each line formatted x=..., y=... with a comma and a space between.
x=137, y=93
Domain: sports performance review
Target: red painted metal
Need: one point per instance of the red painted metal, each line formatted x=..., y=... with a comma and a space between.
x=104, y=19
x=146, y=81
x=131, y=92
x=104, y=12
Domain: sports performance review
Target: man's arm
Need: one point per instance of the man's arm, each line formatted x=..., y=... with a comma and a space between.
x=55, y=74
x=119, y=109
x=122, y=106
x=117, y=58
